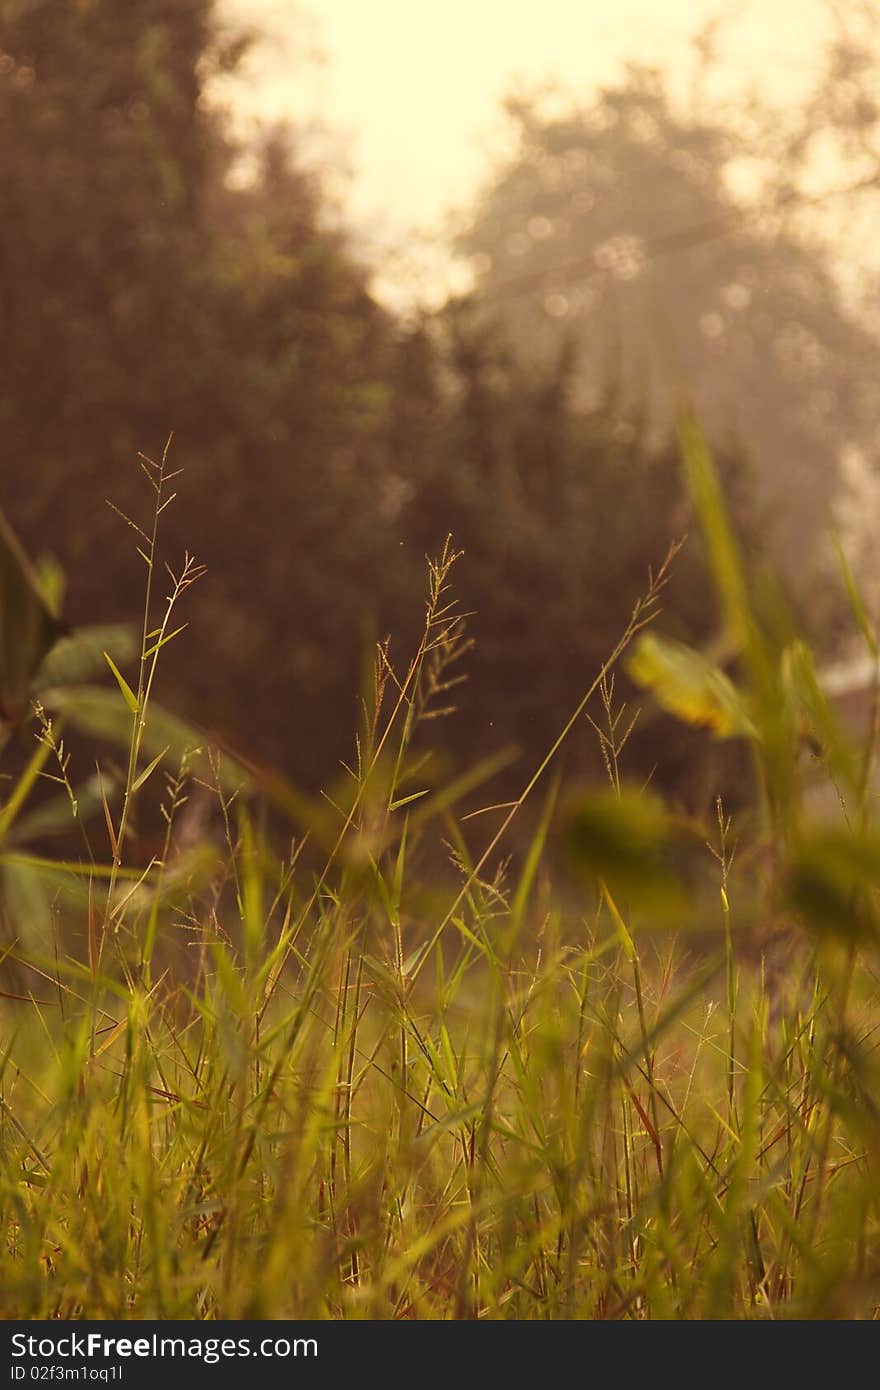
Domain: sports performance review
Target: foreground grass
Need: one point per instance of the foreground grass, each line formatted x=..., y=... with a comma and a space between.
x=324, y=1087
x=529, y=1137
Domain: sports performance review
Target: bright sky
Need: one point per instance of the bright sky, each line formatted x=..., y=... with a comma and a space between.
x=412, y=87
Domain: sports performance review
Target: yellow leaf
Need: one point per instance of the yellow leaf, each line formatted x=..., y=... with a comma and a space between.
x=689, y=686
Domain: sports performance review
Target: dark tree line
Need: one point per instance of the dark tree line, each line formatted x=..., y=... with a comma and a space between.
x=326, y=446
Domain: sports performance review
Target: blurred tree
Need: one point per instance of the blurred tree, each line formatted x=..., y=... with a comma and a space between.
x=104, y=170
x=148, y=285
x=561, y=510
x=145, y=289
x=615, y=227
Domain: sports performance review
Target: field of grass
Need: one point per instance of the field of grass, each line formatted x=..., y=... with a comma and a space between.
x=334, y=1083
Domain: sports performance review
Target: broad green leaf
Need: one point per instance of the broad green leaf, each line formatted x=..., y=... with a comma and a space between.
x=53, y=817
x=151, y=767
x=157, y=646
x=832, y=876
x=689, y=686
x=413, y=959
x=724, y=558
x=28, y=629
x=80, y=655
x=28, y=898
x=620, y=926
x=626, y=842
x=769, y=711
x=52, y=583
x=723, y=551
x=96, y=711
x=65, y=870
x=23, y=787
x=128, y=694
x=405, y=800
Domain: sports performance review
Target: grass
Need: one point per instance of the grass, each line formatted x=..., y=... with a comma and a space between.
x=326, y=1084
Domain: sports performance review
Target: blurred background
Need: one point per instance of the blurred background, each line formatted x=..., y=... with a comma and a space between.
x=391, y=271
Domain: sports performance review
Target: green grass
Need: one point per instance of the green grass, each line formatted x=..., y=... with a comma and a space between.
x=339, y=1083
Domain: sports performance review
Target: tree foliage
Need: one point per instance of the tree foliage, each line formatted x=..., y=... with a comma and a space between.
x=615, y=226
x=145, y=291
x=148, y=287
